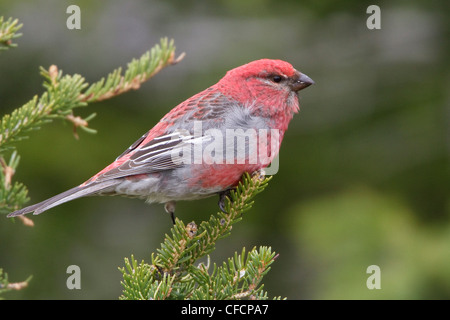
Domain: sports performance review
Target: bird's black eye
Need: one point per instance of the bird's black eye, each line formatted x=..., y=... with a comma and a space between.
x=277, y=79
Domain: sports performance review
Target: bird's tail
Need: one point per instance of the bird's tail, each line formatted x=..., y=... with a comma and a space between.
x=71, y=194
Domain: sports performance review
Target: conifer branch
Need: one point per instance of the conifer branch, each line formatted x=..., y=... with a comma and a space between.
x=138, y=71
x=6, y=286
x=11, y=194
x=63, y=94
x=8, y=32
x=172, y=268
x=67, y=92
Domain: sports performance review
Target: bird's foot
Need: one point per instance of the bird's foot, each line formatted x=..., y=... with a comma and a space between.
x=222, y=198
x=259, y=174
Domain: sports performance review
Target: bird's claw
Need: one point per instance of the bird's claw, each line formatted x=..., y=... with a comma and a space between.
x=222, y=198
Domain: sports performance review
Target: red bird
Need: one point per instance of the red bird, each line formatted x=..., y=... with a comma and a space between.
x=192, y=152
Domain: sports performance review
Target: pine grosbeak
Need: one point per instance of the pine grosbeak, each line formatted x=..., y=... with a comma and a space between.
x=204, y=145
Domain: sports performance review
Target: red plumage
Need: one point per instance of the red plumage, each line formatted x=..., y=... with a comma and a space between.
x=259, y=97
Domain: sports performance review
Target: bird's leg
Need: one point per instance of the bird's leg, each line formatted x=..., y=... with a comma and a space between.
x=222, y=198
x=170, y=208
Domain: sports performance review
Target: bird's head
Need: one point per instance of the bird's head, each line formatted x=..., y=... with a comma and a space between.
x=270, y=86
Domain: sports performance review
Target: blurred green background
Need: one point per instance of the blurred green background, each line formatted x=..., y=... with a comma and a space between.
x=364, y=168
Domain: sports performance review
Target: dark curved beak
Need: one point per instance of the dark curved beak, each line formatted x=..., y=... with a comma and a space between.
x=301, y=81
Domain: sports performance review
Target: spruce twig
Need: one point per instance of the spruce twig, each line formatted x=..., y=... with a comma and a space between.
x=238, y=279
x=8, y=32
x=67, y=92
x=12, y=194
x=6, y=286
x=63, y=94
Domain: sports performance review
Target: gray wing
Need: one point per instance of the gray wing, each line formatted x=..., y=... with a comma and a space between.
x=209, y=110
x=160, y=154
